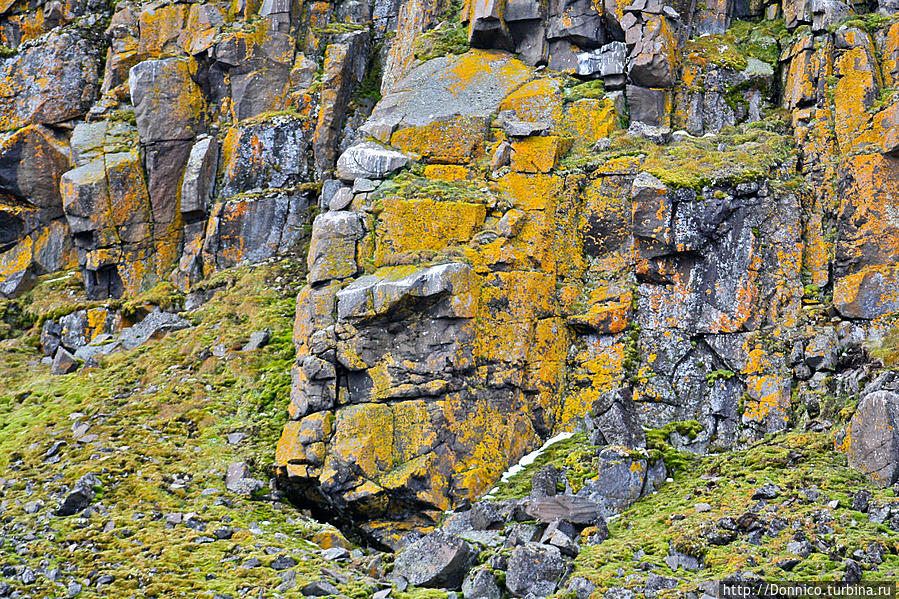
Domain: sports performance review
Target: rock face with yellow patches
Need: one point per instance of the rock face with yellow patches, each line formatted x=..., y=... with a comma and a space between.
x=507, y=305
x=872, y=439
x=49, y=83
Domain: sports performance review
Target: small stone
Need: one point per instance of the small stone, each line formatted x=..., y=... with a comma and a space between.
x=703, y=507
x=341, y=199
x=283, y=562
x=437, y=560
x=80, y=496
x=258, y=339
x=335, y=553
x=63, y=362
x=861, y=500
x=767, y=491
x=319, y=588
x=484, y=516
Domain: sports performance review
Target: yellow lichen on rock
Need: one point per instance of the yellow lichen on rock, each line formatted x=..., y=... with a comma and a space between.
x=456, y=141
x=413, y=225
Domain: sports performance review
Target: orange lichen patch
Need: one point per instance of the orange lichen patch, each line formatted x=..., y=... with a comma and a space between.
x=456, y=141
x=244, y=9
x=389, y=444
x=605, y=221
x=769, y=401
x=485, y=67
x=546, y=360
x=816, y=251
x=16, y=259
x=27, y=26
x=328, y=539
x=869, y=293
x=447, y=172
x=531, y=192
x=160, y=28
x=600, y=369
x=491, y=435
x=510, y=303
x=605, y=315
x=589, y=120
x=868, y=220
x=539, y=154
x=129, y=202
x=412, y=225
x=890, y=50
x=802, y=75
x=136, y=267
x=539, y=100
x=855, y=92
x=199, y=33
x=319, y=15
x=289, y=447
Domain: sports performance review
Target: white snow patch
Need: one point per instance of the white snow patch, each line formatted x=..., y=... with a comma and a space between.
x=529, y=458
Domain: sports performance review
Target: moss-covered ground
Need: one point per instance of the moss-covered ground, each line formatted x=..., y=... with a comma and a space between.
x=800, y=464
x=158, y=417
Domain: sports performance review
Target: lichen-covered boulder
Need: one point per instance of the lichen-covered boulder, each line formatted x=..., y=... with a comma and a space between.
x=436, y=560
x=872, y=440
x=534, y=569
x=48, y=83
x=264, y=154
x=32, y=160
x=168, y=103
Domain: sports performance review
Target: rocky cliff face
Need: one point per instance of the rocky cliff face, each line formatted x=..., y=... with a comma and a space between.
x=523, y=218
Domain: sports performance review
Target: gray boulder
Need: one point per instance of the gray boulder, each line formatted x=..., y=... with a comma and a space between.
x=484, y=516
x=873, y=437
x=199, y=176
x=607, y=61
x=369, y=160
x=481, y=584
x=238, y=480
x=63, y=362
x=80, y=496
x=534, y=569
x=168, y=104
x=577, y=510
x=438, y=560
x=155, y=325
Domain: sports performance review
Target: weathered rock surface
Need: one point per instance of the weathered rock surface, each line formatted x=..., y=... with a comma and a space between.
x=872, y=441
x=436, y=560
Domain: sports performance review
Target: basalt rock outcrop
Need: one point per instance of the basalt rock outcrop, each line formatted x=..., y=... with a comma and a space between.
x=520, y=218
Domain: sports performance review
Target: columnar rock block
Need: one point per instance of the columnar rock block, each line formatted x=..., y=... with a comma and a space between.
x=49, y=83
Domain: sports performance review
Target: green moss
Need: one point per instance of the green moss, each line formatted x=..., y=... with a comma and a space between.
x=338, y=28
x=668, y=518
x=410, y=185
x=442, y=41
x=720, y=374
x=887, y=349
x=589, y=89
x=126, y=116
x=6, y=51
x=163, y=295
x=575, y=456
x=158, y=411
x=659, y=442
x=869, y=22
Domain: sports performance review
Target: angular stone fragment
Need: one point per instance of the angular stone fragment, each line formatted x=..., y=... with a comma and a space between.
x=369, y=160
x=534, y=569
x=872, y=441
x=168, y=104
x=436, y=560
